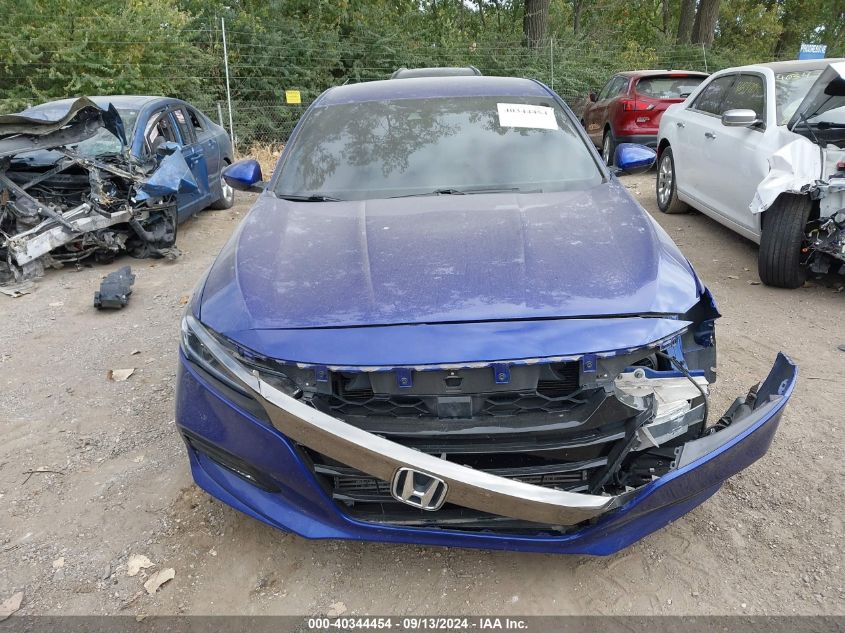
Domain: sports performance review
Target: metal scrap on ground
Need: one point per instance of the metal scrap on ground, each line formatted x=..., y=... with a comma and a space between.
x=115, y=289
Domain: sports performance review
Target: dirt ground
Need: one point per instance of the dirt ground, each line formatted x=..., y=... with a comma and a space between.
x=770, y=542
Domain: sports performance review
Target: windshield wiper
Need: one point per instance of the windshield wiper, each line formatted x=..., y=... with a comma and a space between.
x=436, y=192
x=803, y=119
x=311, y=198
x=463, y=192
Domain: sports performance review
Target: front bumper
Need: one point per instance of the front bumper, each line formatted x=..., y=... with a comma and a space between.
x=649, y=140
x=257, y=468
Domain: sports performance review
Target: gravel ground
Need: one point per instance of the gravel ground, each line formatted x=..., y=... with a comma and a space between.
x=112, y=479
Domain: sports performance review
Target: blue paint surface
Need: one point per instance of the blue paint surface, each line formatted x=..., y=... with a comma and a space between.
x=294, y=265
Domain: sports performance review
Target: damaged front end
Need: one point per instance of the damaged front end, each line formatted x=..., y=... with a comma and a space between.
x=59, y=204
x=554, y=454
x=811, y=163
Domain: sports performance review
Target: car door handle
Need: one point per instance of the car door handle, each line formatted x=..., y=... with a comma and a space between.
x=710, y=134
x=679, y=123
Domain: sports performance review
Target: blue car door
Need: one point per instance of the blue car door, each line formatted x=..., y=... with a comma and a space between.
x=210, y=144
x=195, y=155
x=162, y=128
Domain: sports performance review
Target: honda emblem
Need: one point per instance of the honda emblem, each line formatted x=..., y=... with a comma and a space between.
x=418, y=489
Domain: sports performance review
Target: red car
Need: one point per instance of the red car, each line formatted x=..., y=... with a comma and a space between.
x=628, y=108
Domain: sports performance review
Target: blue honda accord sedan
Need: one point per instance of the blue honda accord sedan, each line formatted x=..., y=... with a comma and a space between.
x=445, y=321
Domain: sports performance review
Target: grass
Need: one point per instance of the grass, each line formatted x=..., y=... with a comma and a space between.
x=267, y=154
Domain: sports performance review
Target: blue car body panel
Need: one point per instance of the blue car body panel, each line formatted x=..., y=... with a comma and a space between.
x=376, y=285
x=381, y=262
x=458, y=344
x=302, y=505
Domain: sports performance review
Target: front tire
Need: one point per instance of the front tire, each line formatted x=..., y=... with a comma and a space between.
x=667, y=185
x=227, y=198
x=784, y=232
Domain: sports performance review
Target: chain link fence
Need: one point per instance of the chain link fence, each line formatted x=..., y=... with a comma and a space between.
x=263, y=118
x=262, y=70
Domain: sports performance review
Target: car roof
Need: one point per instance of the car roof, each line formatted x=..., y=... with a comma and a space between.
x=436, y=71
x=429, y=87
x=795, y=65
x=649, y=73
x=121, y=102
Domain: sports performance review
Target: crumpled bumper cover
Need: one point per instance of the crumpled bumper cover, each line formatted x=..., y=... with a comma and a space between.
x=297, y=502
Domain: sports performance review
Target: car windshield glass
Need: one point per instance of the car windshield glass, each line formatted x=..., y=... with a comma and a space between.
x=790, y=90
x=406, y=147
x=104, y=142
x=667, y=86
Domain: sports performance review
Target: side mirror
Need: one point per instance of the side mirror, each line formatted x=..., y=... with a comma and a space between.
x=631, y=158
x=739, y=118
x=593, y=96
x=244, y=175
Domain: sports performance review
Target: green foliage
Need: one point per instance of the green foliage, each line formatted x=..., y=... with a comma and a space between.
x=56, y=48
x=59, y=48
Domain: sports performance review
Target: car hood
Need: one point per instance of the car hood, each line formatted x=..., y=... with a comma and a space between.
x=49, y=118
x=827, y=93
x=445, y=259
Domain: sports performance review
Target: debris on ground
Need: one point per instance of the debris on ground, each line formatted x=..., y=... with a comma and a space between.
x=40, y=471
x=158, y=579
x=115, y=289
x=120, y=375
x=17, y=290
x=70, y=190
x=136, y=563
x=10, y=605
x=132, y=600
x=336, y=609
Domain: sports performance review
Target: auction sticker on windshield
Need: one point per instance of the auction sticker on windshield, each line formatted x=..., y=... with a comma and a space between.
x=526, y=115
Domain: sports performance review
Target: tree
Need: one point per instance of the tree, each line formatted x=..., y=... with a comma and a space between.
x=65, y=48
x=812, y=21
x=577, y=9
x=704, y=27
x=535, y=20
x=685, y=22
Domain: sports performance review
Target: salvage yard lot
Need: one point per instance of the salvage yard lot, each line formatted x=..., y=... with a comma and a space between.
x=111, y=479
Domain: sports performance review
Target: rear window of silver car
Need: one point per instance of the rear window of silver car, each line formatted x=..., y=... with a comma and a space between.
x=384, y=149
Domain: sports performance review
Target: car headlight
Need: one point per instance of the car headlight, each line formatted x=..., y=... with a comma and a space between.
x=197, y=352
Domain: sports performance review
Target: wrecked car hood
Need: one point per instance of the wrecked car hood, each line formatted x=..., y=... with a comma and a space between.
x=827, y=93
x=446, y=259
x=41, y=122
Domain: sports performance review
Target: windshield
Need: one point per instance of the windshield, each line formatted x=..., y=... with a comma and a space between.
x=668, y=86
x=104, y=142
x=409, y=147
x=790, y=90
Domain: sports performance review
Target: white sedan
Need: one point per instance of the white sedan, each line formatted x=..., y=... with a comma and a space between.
x=761, y=149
